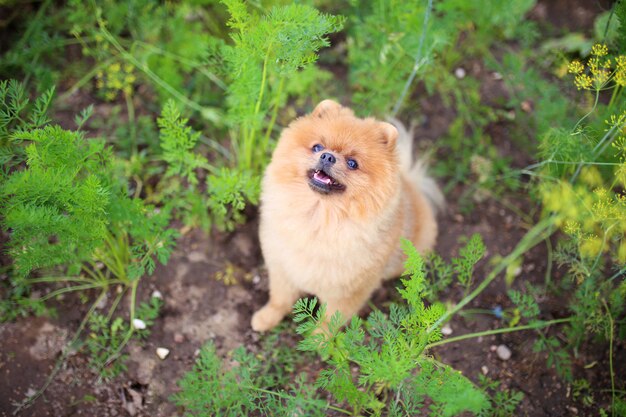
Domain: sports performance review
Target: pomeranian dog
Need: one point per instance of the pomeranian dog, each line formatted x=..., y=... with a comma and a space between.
x=337, y=197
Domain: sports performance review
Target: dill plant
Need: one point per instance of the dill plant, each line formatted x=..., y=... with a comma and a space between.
x=71, y=224
x=267, y=52
x=581, y=181
x=392, y=42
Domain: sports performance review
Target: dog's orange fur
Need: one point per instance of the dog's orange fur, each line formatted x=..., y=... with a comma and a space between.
x=337, y=246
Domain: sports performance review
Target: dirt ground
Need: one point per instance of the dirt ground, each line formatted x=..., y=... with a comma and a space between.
x=198, y=308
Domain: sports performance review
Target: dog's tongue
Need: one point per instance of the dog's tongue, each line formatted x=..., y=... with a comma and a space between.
x=321, y=177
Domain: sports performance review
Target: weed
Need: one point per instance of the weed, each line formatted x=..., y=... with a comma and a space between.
x=208, y=390
x=504, y=403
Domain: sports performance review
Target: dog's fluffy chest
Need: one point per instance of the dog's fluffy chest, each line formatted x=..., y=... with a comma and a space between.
x=330, y=252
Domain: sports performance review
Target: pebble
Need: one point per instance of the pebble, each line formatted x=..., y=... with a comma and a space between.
x=256, y=279
x=162, y=352
x=197, y=256
x=460, y=73
x=157, y=294
x=179, y=338
x=446, y=330
x=139, y=324
x=497, y=76
x=484, y=370
x=503, y=352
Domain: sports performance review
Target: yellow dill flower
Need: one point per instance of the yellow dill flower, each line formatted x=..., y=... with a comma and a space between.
x=591, y=176
x=591, y=246
x=114, y=68
x=572, y=228
x=599, y=49
x=575, y=67
x=600, y=77
x=620, y=74
x=583, y=81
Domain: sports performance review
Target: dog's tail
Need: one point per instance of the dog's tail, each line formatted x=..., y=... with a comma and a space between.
x=417, y=170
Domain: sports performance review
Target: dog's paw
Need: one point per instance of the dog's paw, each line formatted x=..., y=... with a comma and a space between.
x=266, y=318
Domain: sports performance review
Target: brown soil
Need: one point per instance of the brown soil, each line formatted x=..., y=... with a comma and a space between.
x=199, y=308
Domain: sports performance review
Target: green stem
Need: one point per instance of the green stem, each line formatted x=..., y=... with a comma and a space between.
x=85, y=79
x=270, y=126
x=131, y=328
x=538, y=325
x=530, y=239
x=595, y=104
x=416, y=64
x=192, y=63
x=616, y=92
x=249, y=139
x=611, y=370
x=601, y=145
x=143, y=67
x=56, y=279
x=71, y=289
x=130, y=110
x=57, y=366
x=285, y=396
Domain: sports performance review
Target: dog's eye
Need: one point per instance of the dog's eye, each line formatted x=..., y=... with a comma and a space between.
x=317, y=147
x=352, y=164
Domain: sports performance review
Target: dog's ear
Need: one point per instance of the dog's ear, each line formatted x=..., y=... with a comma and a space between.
x=389, y=134
x=325, y=108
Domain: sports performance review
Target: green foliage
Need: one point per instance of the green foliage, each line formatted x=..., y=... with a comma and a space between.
x=209, y=390
x=469, y=255
x=267, y=51
x=525, y=303
x=388, y=352
x=72, y=225
x=388, y=41
x=620, y=14
x=56, y=208
x=177, y=143
x=228, y=191
x=106, y=336
x=557, y=355
x=504, y=403
x=440, y=274
x=18, y=114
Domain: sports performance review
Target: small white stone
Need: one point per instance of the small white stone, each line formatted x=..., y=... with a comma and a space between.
x=139, y=324
x=497, y=76
x=493, y=348
x=256, y=279
x=503, y=352
x=446, y=330
x=484, y=370
x=162, y=352
x=460, y=73
x=157, y=294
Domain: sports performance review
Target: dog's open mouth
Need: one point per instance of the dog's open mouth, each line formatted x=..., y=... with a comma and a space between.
x=322, y=182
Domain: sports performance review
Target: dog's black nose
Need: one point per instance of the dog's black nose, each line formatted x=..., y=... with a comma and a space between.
x=328, y=159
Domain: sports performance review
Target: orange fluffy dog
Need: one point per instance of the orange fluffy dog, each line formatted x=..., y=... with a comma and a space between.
x=337, y=197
